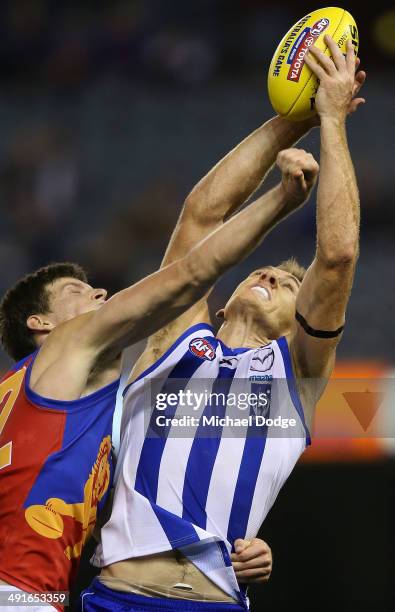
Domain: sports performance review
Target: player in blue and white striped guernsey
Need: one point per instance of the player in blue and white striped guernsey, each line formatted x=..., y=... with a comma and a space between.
x=182, y=501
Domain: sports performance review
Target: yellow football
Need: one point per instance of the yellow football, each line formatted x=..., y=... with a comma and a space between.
x=292, y=86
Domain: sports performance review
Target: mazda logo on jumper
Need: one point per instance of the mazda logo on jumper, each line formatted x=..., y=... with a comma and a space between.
x=262, y=360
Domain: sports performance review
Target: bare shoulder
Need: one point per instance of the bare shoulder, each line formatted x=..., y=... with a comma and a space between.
x=62, y=366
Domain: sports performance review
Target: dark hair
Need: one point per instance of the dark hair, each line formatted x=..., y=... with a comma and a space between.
x=30, y=296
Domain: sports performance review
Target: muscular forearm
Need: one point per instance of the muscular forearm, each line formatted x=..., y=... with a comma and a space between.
x=338, y=200
x=239, y=236
x=231, y=182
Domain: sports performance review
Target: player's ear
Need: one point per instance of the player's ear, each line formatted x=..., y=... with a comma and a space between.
x=220, y=313
x=39, y=323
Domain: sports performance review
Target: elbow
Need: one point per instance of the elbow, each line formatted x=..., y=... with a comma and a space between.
x=194, y=207
x=202, y=208
x=343, y=256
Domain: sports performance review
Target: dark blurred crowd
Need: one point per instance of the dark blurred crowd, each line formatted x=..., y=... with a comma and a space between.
x=66, y=44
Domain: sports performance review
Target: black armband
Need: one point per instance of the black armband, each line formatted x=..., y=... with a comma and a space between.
x=317, y=333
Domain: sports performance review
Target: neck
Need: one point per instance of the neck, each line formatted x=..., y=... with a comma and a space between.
x=237, y=334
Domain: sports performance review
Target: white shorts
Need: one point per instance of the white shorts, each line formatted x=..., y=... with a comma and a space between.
x=6, y=588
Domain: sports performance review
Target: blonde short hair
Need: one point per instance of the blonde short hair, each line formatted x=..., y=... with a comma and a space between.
x=293, y=267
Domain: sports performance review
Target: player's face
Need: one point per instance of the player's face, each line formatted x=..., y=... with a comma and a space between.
x=70, y=297
x=266, y=297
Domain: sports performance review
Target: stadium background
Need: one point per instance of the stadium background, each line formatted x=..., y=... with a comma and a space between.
x=109, y=114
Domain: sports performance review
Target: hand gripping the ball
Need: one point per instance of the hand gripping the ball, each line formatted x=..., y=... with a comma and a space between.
x=338, y=82
x=299, y=175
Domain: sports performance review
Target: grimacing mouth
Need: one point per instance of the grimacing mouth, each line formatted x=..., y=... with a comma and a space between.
x=263, y=292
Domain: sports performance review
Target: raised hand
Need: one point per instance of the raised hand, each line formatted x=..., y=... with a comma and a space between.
x=339, y=84
x=299, y=174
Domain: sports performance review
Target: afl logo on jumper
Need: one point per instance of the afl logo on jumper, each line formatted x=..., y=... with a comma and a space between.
x=202, y=349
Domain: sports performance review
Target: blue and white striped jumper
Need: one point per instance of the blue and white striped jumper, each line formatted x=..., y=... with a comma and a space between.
x=200, y=492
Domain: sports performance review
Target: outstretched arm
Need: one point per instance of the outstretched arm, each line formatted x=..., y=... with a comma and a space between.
x=325, y=290
x=141, y=309
x=231, y=182
x=299, y=174
x=222, y=192
x=130, y=315
x=237, y=176
x=218, y=195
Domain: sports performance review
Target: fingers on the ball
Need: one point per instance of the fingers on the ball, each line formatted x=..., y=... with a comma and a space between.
x=314, y=66
x=336, y=54
x=325, y=61
x=315, y=51
x=350, y=57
